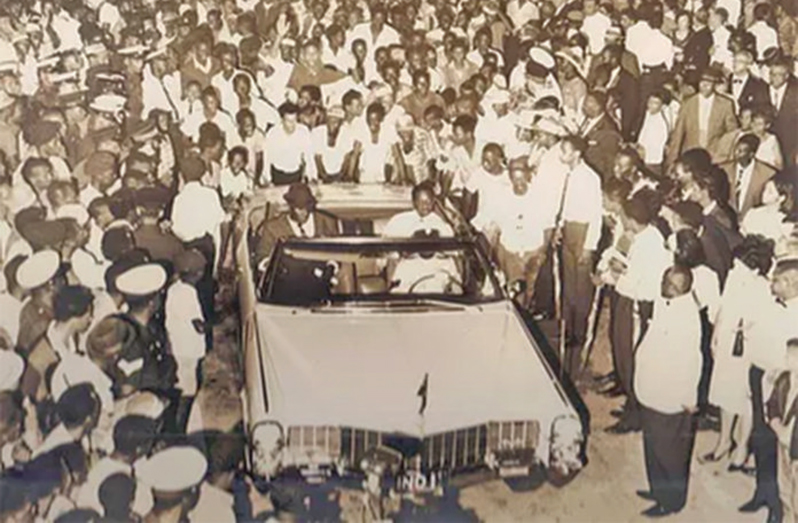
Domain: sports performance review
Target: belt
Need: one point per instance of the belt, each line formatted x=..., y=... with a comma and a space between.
x=653, y=68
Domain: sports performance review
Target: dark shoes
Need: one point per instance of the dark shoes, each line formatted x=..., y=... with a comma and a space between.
x=657, y=511
x=752, y=506
x=646, y=494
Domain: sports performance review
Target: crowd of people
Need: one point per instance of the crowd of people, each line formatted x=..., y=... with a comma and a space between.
x=639, y=151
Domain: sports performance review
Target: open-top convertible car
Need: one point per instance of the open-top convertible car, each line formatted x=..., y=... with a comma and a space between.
x=404, y=358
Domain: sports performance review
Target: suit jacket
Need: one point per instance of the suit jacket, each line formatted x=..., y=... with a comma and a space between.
x=603, y=144
x=279, y=228
x=777, y=407
x=624, y=91
x=784, y=125
x=753, y=196
x=719, y=237
x=696, y=50
x=685, y=134
x=755, y=92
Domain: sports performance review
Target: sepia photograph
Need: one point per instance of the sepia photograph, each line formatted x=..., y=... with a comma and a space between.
x=280, y=261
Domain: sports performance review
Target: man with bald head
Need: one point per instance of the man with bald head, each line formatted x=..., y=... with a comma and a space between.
x=667, y=372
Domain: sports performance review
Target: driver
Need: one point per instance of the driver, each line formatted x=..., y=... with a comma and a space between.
x=302, y=220
x=421, y=218
x=426, y=273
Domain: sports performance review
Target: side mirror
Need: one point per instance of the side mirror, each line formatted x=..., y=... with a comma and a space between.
x=516, y=288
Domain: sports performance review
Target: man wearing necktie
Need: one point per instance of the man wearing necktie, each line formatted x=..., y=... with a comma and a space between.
x=747, y=175
x=302, y=220
x=784, y=98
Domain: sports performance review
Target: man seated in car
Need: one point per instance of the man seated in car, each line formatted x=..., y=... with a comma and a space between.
x=303, y=280
x=425, y=272
x=422, y=218
x=302, y=220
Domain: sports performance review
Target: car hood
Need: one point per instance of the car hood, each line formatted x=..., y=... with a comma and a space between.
x=365, y=369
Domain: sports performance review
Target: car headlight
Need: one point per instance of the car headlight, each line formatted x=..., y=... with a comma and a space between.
x=267, y=441
x=565, y=450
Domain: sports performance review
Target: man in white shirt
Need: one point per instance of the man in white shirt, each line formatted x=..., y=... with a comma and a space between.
x=211, y=112
x=184, y=323
x=636, y=279
x=594, y=26
x=160, y=90
x=422, y=218
x=517, y=224
x=199, y=230
x=288, y=155
x=654, y=132
x=667, y=372
x=578, y=226
x=766, y=37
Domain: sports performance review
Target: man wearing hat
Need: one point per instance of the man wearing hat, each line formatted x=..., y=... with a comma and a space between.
x=37, y=275
x=703, y=119
x=147, y=363
x=174, y=475
x=302, y=220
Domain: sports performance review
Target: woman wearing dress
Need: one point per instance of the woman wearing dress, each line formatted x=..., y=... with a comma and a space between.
x=769, y=150
x=747, y=286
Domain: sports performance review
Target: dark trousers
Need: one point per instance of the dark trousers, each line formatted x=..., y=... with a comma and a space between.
x=577, y=298
x=668, y=445
x=707, y=362
x=764, y=446
x=206, y=286
x=622, y=341
x=285, y=178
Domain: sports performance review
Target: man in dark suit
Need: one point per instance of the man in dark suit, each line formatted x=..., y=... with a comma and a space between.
x=621, y=87
x=601, y=134
x=746, y=89
x=719, y=233
x=696, y=50
x=301, y=220
x=747, y=175
x=703, y=119
x=784, y=98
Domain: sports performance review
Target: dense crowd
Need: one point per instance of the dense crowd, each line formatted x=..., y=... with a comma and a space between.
x=642, y=152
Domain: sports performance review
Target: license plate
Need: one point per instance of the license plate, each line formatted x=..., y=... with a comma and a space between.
x=419, y=482
x=513, y=471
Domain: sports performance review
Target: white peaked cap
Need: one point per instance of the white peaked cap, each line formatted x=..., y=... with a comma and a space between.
x=174, y=469
x=38, y=269
x=11, y=367
x=142, y=280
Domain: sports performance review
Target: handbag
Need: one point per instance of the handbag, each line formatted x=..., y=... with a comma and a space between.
x=737, y=350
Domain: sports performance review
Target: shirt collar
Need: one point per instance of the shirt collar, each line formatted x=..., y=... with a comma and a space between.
x=711, y=207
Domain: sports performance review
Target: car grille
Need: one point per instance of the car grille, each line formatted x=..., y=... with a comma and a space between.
x=452, y=450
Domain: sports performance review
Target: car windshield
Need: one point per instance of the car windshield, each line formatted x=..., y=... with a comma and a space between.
x=334, y=273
